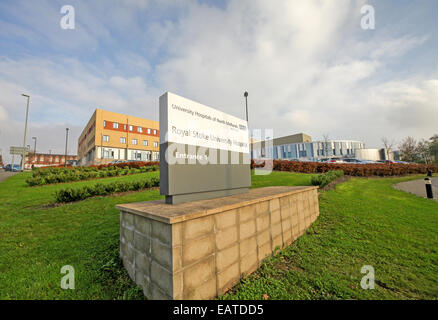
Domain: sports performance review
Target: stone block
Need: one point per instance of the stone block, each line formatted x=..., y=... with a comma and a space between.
x=274, y=205
x=264, y=251
x=197, y=228
x=228, y=277
x=143, y=263
x=262, y=222
x=142, y=225
x=275, y=216
x=198, y=273
x=247, y=229
x=226, y=219
x=141, y=243
x=248, y=246
x=162, y=278
x=249, y=263
x=206, y=290
x=162, y=232
x=227, y=257
x=262, y=208
x=263, y=237
x=247, y=213
x=226, y=237
x=162, y=254
x=197, y=249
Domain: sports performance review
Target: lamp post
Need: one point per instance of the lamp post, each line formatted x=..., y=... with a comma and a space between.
x=34, y=146
x=246, y=102
x=245, y=94
x=25, y=129
x=66, y=141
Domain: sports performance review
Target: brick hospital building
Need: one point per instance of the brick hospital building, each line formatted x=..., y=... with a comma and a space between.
x=111, y=136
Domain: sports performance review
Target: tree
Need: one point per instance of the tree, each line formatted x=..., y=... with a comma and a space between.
x=408, y=150
x=423, y=151
x=388, y=146
x=325, y=137
x=433, y=146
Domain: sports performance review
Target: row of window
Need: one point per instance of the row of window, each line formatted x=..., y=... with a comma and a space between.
x=131, y=128
x=133, y=141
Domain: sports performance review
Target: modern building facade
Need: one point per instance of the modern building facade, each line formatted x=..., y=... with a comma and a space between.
x=47, y=159
x=301, y=147
x=111, y=136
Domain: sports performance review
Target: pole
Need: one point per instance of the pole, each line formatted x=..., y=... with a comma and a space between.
x=34, y=147
x=25, y=129
x=245, y=94
x=429, y=192
x=246, y=102
x=66, y=141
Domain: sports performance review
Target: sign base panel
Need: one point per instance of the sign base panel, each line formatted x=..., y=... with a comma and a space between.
x=180, y=198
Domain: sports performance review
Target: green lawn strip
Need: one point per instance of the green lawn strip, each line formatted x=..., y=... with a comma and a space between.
x=362, y=222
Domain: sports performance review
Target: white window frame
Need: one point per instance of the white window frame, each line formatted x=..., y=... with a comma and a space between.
x=155, y=144
x=105, y=138
x=134, y=141
x=115, y=125
x=140, y=129
x=124, y=140
x=145, y=143
x=155, y=131
x=149, y=131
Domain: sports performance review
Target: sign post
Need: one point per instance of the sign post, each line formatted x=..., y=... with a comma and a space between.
x=204, y=153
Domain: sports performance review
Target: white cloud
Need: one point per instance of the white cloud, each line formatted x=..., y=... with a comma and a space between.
x=305, y=64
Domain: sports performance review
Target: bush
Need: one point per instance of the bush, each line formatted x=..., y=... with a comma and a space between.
x=324, y=179
x=99, y=189
x=57, y=175
x=360, y=170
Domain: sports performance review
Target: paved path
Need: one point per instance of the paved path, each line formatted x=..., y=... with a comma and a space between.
x=417, y=187
x=6, y=174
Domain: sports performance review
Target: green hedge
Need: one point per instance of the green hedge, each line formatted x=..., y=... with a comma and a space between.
x=58, y=175
x=324, y=179
x=99, y=189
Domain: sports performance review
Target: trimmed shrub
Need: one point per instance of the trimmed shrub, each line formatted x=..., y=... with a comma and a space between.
x=360, y=170
x=99, y=189
x=57, y=175
x=324, y=179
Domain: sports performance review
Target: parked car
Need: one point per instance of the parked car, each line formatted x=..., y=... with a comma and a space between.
x=352, y=160
x=15, y=168
x=118, y=161
x=335, y=160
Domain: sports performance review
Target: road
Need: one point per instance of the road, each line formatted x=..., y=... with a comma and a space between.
x=6, y=174
x=417, y=187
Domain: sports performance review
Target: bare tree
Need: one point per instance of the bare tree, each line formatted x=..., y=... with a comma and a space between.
x=408, y=149
x=325, y=137
x=388, y=146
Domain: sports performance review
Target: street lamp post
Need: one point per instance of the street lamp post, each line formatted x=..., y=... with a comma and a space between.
x=66, y=141
x=25, y=129
x=34, y=146
x=246, y=102
x=245, y=94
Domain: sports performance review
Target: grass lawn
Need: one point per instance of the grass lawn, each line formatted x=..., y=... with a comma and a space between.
x=363, y=221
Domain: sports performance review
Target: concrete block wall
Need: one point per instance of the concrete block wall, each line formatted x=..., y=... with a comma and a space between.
x=203, y=257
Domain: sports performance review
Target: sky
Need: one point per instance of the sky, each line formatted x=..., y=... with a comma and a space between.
x=308, y=66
